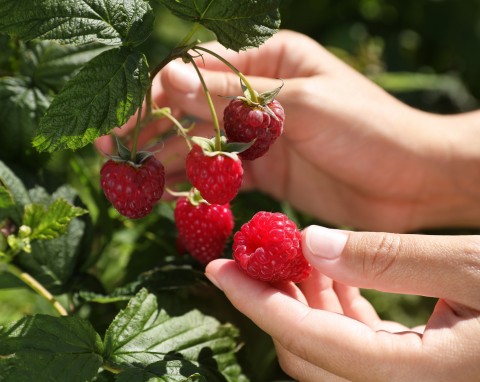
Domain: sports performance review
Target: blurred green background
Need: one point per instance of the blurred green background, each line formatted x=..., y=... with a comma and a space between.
x=424, y=51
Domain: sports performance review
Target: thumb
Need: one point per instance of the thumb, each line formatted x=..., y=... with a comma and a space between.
x=438, y=266
x=183, y=88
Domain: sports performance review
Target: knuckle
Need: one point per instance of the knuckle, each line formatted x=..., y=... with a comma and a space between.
x=382, y=255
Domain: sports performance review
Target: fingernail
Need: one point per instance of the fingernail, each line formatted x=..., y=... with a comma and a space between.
x=213, y=280
x=183, y=77
x=325, y=243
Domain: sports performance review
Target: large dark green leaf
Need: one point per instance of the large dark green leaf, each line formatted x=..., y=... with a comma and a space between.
x=111, y=22
x=49, y=349
x=103, y=95
x=143, y=334
x=238, y=24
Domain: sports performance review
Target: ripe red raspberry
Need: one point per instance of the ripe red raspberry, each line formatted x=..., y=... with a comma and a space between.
x=133, y=189
x=203, y=229
x=244, y=123
x=268, y=248
x=218, y=177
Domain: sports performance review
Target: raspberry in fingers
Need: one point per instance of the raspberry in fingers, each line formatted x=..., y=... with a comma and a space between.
x=350, y=349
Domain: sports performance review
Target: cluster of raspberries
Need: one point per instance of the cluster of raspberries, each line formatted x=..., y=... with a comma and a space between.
x=268, y=247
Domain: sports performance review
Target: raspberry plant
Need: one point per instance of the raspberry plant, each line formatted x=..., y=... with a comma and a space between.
x=115, y=300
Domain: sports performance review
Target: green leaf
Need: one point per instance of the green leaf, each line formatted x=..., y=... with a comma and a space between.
x=49, y=349
x=142, y=334
x=110, y=22
x=49, y=223
x=103, y=95
x=54, y=262
x=238, y=24
x=41, y=69
x=50, y=64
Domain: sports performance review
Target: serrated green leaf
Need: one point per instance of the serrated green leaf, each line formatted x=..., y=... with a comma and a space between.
x=54, y=262
x=143, y=334
x=52, y=221
x=103, y=95
x=49, y=349
x=110, y=22
x=238, y=24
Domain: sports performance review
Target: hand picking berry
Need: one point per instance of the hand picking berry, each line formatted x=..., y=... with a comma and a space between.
x=245, y=121
x=203, y=228
x=268, y=248
x=218, y=175
x=133, y=189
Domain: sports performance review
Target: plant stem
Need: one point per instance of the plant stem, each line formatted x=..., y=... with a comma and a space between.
x=111, y=369
x=165, y=112
x=176, y=52
x=253, y=95
x=210, y=105
x=136, y=133
x=37, y=287
x=189, y=35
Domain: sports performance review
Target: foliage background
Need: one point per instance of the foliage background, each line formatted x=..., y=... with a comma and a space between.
x=424, y=52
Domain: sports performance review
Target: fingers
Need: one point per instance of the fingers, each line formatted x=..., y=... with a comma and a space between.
x=287, y=54
x=183, y=88
x=356, y=306
x=440, y=266
x=301, y=370
x=319, y=292
x=332, y=342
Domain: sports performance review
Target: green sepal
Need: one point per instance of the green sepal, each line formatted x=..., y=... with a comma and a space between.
x=207, y=144
x=125, y=155
x=266, y=97
x=229, y=149
x=237, y=147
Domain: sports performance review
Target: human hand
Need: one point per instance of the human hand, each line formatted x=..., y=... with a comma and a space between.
x=325, y=330
x=350, y=154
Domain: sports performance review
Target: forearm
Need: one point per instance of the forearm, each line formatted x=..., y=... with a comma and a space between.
x=455, y=195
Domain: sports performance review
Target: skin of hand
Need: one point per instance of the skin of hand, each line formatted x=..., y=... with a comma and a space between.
x=324, y=330
x=350, y=153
